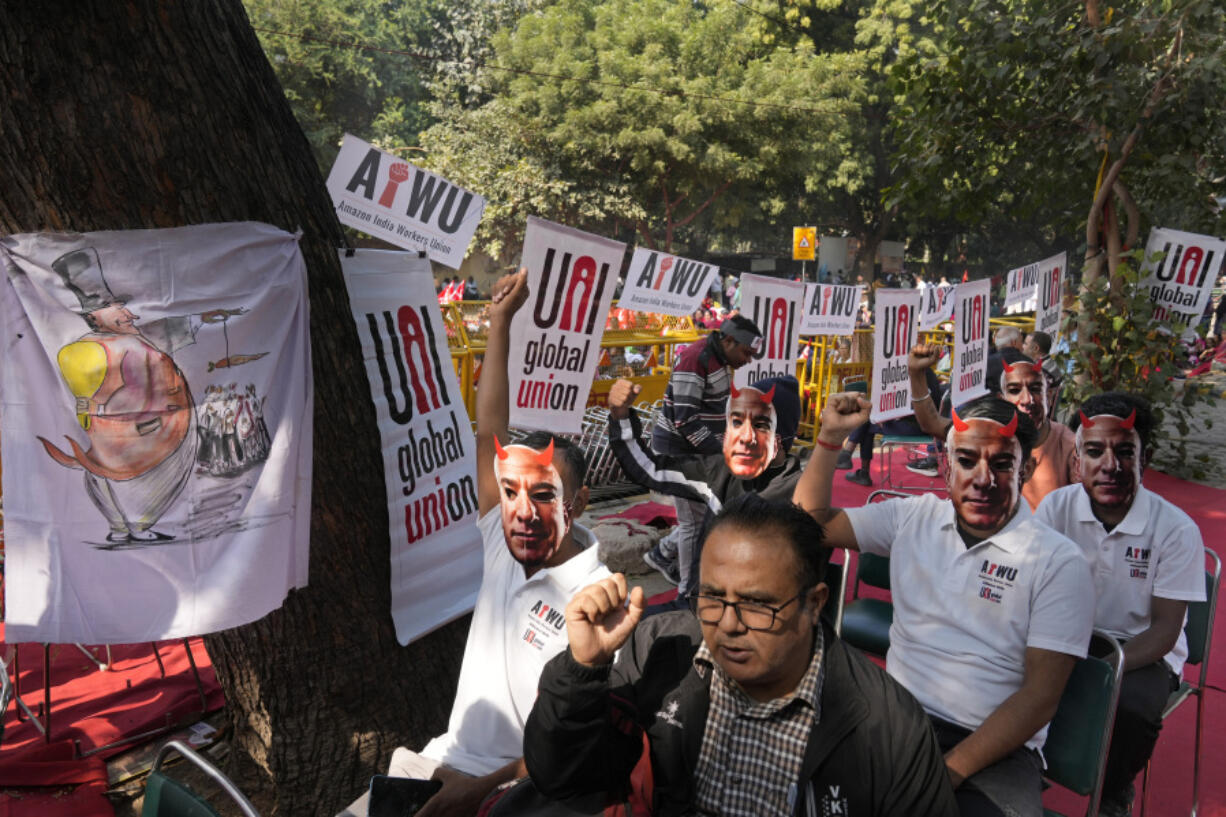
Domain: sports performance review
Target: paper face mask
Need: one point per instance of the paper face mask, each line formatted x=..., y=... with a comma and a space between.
x=535, y=516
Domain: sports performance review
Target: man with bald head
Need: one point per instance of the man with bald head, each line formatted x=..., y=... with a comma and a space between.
x=761, y=422
x=990, y=609
x=1148, y=561
x=535, y=558
x=1022, y=382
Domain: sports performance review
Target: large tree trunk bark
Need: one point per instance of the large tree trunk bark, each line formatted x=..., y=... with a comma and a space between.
x=159, y=114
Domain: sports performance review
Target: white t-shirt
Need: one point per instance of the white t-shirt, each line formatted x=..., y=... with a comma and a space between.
x=1155, y=551
x=517, y=626
x=963, y=617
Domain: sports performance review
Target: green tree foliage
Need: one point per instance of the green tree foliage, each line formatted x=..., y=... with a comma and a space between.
x=1014, y=106
x=374, y=91
x=1118, y=345
x=646, y=115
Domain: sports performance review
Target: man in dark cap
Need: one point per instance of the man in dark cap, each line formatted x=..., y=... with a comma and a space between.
x=692, y=422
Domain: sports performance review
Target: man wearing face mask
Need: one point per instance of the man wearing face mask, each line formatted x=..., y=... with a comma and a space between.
x=1148, y=561
x=761, y=422
x=1021, y=381
x=990, y=608
x=535, y=559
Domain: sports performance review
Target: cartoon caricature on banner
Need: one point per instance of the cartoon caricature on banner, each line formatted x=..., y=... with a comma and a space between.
x=968, y=374
x=1050, y=292
x=1181, y=283
x=894, y=334
x=555, y=337
x=936, y=306
x=1021, y=283
x=428, y=445
x=383, y=195
x=157, y=431
x=829, y=309
x=665, y=284
x=773, y=304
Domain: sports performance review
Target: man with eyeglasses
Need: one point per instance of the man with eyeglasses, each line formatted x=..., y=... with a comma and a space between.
x=751, y=704
x=990, y=609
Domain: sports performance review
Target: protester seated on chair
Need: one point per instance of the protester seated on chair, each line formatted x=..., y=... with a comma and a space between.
x=1021, y=381
x=990, y=607
x=750, y=703
x=535, y=559
x=760, y=422
x=864, y=437
x=1148, y=562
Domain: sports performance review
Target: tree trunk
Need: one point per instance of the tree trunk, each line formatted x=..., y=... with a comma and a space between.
x=159, y=114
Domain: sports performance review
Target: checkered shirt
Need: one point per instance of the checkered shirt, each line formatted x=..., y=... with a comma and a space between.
x=749, y=765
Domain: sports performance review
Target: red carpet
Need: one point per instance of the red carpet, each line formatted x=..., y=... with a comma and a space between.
x=1170, y=786
x=94, y=708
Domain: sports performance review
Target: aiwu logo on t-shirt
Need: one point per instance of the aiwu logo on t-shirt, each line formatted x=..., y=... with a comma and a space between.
x=995, y=579
x=550, y=615
x=1138, y=562
x=545, y=623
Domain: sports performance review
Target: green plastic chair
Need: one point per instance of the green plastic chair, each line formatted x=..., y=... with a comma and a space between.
x=1080, y=731
x=167, y=797
x=865, y=623
x=1199, y=630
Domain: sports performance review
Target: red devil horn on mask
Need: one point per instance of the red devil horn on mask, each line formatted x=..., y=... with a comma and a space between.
x=1008, y=368
x=1038, y=362
x=545, y=457
x=1085, y=421
x=502, y=452
x=1129, y=421
x=735, y=392
x=769, y=396
x=1011, y=428
x=959, y=424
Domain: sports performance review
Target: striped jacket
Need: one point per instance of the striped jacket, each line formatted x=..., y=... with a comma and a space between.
x=695, y=402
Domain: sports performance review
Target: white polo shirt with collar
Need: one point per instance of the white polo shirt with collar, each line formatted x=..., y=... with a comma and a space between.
x=1156, y=550
x=963, y=617
x=517, y=626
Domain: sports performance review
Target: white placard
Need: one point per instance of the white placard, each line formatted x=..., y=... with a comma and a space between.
x=157, y=416
x=665, y=284
x=429, y=452
x=897, y=312
x=830, y=309
x=773, y=304
x=383, y=195
x=937, y=305
x=969, y=373
x=832, y=256
x=555, y=336
x=1021, y=283
x=1181, y=284
x=1050, y=292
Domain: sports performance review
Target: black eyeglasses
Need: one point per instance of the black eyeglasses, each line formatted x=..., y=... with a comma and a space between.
x=753, y=615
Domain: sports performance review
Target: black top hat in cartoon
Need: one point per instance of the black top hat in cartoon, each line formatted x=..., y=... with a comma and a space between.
x=81, y=272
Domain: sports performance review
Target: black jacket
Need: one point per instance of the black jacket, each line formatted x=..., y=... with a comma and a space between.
x=872, y=752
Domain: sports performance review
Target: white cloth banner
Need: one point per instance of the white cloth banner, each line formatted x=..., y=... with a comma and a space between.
x=897, y=311
x=156, y=411
x=969, y=373
x=665, y=284
x=830, y=309
x=429, y=452
x=1050, y=293
x=773, y=304
x=1021, y=283
x=1181, y=284
x=937, y=305
x=383, y=195
x=555, y=336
